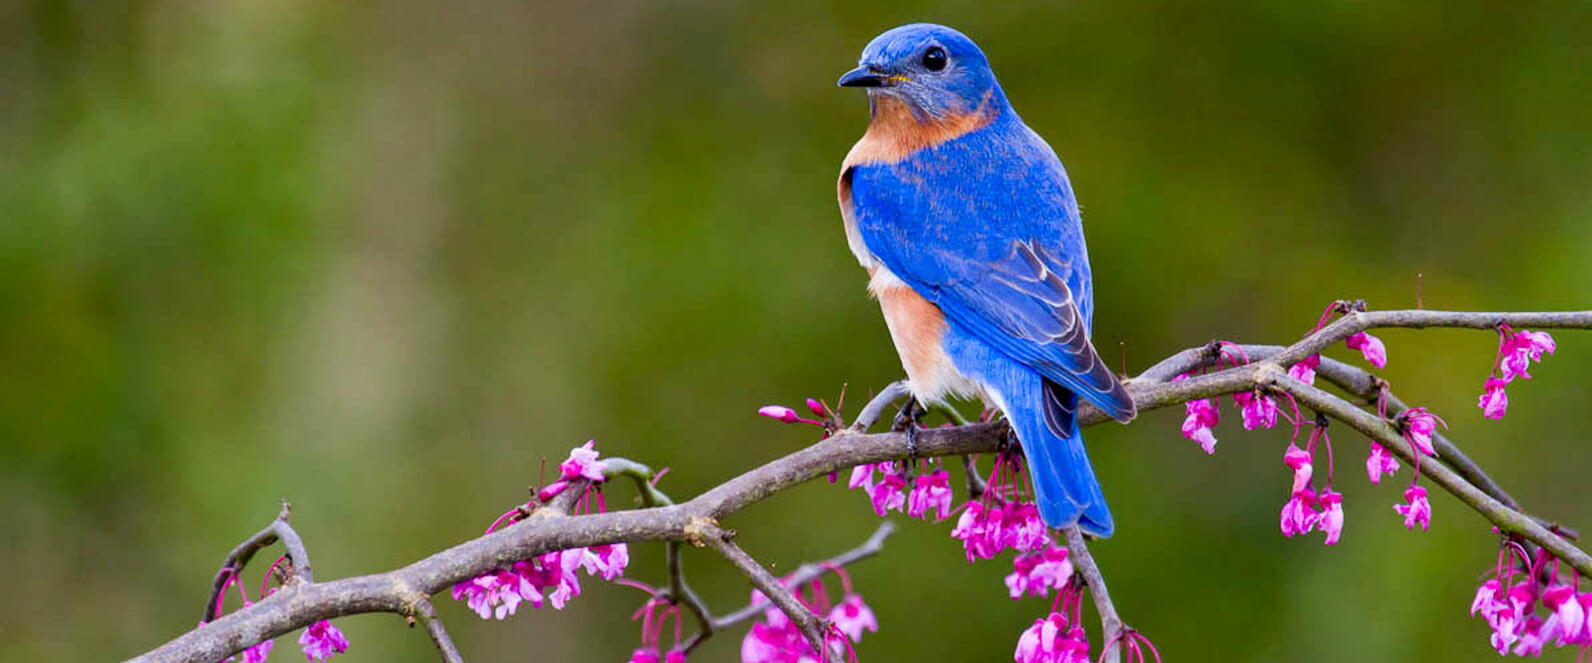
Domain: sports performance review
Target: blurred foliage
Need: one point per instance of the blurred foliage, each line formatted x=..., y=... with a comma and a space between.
x=383, y=259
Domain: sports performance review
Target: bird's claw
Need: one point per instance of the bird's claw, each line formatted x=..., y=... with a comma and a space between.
x=910, y=420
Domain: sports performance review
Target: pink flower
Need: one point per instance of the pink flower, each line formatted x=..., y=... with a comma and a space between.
x=496, y=594
x=1331, y=518
x=644, y=655
x=1380, y=462
x=1534, y=344
x=674, y=656
x=257, y=653
x=1305, y=370
x=1298, y=514
x=1418, y=511
x=1202, y=415
x=817, y=407
x=321, y=641
x=1299, y=460
x=862, y=476
x=1370, y=347
x=785, y=414
x=1494, y=402
x=1569, y=616
x=852, y=617
x=558, y=572
x=1419, y=425
x=1260, y=410
x=974, y=529
x=1021, y=527
x=930, y=491
x=607, y=560
x=1035, y=574
x=1044, y=641
x=1487, y=598
x=1518, y=351
x=583, y=463
x=888, y=495
x=1535, y=633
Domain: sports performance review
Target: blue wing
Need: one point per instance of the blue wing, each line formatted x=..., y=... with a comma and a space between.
x=985, y=226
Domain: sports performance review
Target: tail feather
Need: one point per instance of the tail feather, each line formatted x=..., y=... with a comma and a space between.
x=1064, y=482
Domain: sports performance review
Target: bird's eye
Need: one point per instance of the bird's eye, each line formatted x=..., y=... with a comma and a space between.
x=934, y=59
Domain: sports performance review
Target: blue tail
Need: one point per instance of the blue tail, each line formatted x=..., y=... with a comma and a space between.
x=1043, y=414
x=1065, y=486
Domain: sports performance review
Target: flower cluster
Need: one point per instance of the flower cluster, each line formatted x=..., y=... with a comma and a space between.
x=890, y=488
x=320, y=642
x=1516, y=351
x=1036, y=573
x=1059, y=636
x=1307, y=510
x=549, y=578
x=1510, y=607
x=1005, y=516
x=777, y=639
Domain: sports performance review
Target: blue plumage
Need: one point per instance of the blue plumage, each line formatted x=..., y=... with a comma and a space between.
x=950, y=195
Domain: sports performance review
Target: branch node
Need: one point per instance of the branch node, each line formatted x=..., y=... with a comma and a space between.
x=701, y=528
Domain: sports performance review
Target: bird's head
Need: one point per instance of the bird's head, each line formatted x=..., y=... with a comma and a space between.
x=937, y=72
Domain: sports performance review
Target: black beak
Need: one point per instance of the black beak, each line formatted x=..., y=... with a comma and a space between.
x=864, y=77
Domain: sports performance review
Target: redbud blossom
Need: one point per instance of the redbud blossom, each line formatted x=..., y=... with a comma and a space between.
x=321, y=641
x=1494, y=401
x=852, y=617
x=1380, y=462
x=1533, y=634
x=1331, y=520
x=888, y=494
x=1299, y=460
x=583, y=463
x=257, y=653
x=607, y=560
x=1298, y=514
x=674, y=656
x=1419, y=425
x=779, y=412
x=1418, y=511
x=930, y=492
x=817, y=407
x=644, y=655
x=1370, y=347
x=1202, y=416
x=1035, y=574
x=1568, y=614
x=1259, y=410
x=1305, y=370
x=1049, y=641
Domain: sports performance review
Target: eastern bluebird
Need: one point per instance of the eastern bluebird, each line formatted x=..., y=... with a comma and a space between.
x=966, y=223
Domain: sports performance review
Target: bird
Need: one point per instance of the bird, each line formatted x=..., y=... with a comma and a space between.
x=970, y=234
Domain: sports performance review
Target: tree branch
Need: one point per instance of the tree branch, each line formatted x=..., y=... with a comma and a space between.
x=810, y=624
x=299, y=604
x=1110, y=623
x=278, y=530
x=439, y=635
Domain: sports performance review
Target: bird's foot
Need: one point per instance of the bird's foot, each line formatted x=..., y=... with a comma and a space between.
x=910, y=421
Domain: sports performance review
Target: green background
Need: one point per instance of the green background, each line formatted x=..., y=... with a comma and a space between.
x=384, y=259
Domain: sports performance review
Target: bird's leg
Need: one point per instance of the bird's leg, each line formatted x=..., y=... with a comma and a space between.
x=910, y=421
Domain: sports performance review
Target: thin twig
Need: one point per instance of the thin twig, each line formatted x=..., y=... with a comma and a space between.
x=876, y=407
x=810, y=624
x=1084, y=563
x=439, y=634
x=808, y=572
x=278, y=530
